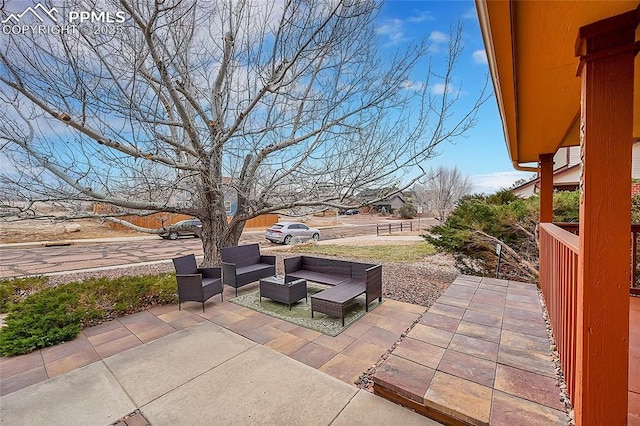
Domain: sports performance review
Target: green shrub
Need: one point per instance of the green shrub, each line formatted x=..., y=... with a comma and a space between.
x=43, y=319
x=502, y=197
x=14, y=290
x=407, y=211
x=57, y=314
x=635, y=209
x=566, y=206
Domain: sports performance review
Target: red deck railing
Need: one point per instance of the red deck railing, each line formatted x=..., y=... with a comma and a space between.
x=635, y=274
x=635, y=231
x=559, y=284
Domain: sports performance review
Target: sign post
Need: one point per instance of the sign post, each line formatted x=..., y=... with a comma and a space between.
x=499, y=253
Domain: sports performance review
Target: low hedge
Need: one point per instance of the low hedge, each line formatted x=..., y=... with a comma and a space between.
x=15, y=290
x=48, y=316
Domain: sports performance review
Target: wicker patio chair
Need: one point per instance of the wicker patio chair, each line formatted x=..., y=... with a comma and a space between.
x=196, y=284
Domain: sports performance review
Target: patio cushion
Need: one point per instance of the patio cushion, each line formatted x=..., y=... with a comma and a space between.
x=318, y=277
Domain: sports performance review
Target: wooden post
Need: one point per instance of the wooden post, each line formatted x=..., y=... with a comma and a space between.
x=606, y=49
x=546, y=188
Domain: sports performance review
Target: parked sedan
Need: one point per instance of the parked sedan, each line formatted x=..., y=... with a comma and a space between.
x=285, y=232
x=184, y=228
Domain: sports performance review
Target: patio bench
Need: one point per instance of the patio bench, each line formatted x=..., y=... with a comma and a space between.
x=244, y=264
x=349, y=280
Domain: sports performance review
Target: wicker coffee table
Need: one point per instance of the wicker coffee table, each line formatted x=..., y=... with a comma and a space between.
x=275, y=288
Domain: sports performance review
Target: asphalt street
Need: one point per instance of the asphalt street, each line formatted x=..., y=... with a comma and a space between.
x=33, y=259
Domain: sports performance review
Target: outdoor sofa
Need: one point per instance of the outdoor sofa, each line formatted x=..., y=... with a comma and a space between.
x=349, y=280
x=244, y=264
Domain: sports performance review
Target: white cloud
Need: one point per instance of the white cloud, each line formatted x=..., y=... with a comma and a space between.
x=412, y=85
x=492, y=182
x=480, y=56
x=7, y=166
x=442, y=88
x=438, y=37
x=421, y=17
x=393, y=31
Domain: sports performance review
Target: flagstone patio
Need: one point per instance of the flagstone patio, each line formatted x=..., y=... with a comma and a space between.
x=480, y=355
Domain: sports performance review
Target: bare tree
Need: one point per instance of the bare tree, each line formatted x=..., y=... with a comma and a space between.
x=277, y=105
x=442, y=188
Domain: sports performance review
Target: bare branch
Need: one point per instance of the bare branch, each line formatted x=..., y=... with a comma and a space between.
x=223, y=108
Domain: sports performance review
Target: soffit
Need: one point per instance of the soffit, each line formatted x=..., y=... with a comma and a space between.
x=531, y=52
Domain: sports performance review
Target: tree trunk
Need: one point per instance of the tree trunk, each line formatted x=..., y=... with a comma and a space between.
x=236, y=226
x=214, y=218
x=233, y=232
x=212, y=230
x=522, y=262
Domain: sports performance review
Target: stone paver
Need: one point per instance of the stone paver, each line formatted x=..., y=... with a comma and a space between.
x=423, y=353
x=313, y=355
x=404, y=377
x=380, y=336
x=529, y=386
x=440, y=321
x=433, y=335
x=465, y=400
x=476, y=347
x=484, y=364
x=480, y=331
x=484, y=318
x=509, y=410
x=468, y=367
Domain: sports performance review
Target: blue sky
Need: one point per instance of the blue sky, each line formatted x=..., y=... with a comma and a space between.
x=483, y=154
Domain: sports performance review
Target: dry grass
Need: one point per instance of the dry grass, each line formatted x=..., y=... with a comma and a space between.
x=405, y=253
x=46, y=230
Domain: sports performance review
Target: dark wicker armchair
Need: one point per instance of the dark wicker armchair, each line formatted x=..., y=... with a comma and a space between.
x=196, y=284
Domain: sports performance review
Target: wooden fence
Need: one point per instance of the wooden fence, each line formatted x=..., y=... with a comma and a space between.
x=388, y=228
x=158, y=220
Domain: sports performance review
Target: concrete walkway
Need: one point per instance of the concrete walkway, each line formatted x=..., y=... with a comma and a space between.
x=228, y=365
x=202, y=375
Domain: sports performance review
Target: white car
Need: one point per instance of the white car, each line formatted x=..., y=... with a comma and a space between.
x=285, y=232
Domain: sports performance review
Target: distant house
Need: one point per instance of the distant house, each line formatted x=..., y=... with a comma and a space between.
x=566, y=172
x=230, y=197
x=378, y=200
x=229, y=193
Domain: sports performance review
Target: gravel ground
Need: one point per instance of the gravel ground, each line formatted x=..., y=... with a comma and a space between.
x=421, y=283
